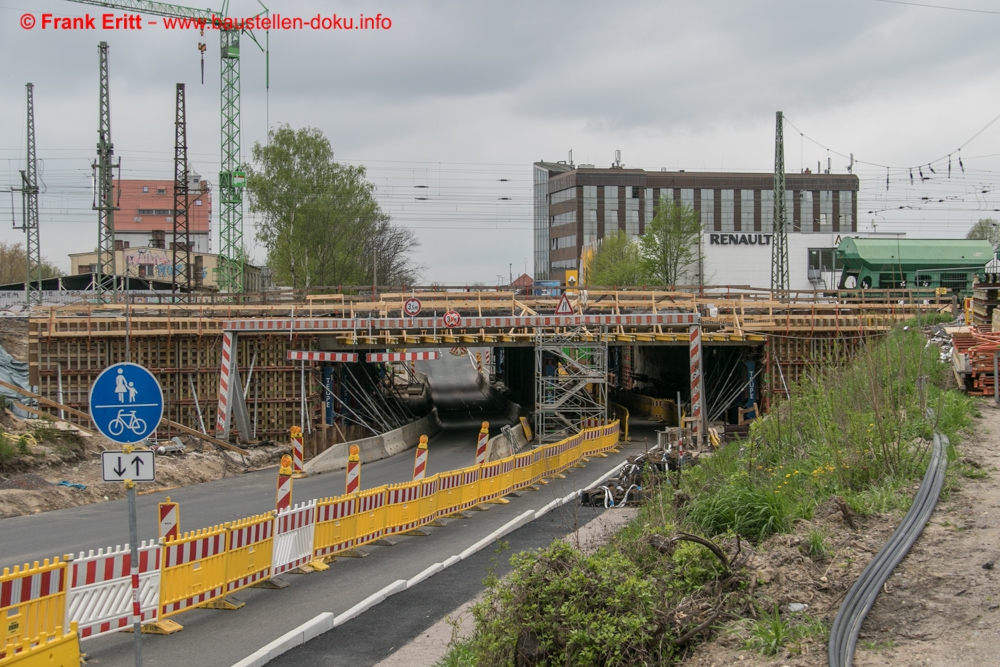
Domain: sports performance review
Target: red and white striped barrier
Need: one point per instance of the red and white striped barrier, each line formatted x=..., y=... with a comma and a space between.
x=309, y=355
x=99, y=599
x=170, y=520
x=222, y=415
x=353, y=470
x=297, y=454
x=420, y=459
x=277, y=325
x=293, y=537
x=697, y=390
x=284, y=496
x=384, y=357
x=484, y=437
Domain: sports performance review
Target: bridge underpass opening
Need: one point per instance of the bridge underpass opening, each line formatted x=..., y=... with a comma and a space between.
x=731, y=375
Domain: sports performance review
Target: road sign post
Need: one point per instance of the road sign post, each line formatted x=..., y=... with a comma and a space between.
x=126, y=404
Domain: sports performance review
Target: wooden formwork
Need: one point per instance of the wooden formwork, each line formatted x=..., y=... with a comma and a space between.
x=183, y=353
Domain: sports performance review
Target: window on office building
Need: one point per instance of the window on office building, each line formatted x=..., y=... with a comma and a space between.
x=541, y=222
x=563, y=242
x=563, y=195
x=589, y=213
x=746, y=210
x=767, y=211
x=728, y=211
x=826, y=211
x=707, y=210
x=806, y=210
x=822, y=259
x=846, y=211
x=610, y=208
x=649, y=206
x=631, y=211
x=687, y=197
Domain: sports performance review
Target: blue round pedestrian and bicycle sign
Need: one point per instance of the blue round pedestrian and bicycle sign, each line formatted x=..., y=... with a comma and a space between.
x=126, y=403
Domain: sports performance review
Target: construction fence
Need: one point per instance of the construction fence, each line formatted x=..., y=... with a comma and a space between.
x=92, y=592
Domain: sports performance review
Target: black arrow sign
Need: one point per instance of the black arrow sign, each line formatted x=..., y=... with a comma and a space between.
x=119, y=470
x=137, y=462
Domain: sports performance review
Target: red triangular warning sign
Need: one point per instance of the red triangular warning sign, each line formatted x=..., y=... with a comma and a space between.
x=564, y=307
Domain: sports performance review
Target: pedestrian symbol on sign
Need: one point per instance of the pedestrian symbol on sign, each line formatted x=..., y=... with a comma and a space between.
x=126, y=403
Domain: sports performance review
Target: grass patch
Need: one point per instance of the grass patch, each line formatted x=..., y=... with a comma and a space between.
x=816, y=546
x=770, y=633
x=460, y=654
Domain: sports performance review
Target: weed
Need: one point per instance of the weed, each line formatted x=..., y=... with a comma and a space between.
x=878, y=644
x=460, y=654
x=7, y=451
x=816, y=546
x=770, y=633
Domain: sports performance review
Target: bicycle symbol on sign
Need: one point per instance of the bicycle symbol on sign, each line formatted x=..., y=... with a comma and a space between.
x=126, y=420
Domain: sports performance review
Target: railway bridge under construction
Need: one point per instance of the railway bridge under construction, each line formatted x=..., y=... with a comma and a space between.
x=251, y=369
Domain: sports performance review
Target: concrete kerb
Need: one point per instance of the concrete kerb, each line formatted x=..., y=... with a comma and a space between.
x=326, y=621
x=376, y=447
x=370, y=601
x=300, y=635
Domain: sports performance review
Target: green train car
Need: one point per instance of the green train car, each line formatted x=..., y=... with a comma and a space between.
x=912, y=263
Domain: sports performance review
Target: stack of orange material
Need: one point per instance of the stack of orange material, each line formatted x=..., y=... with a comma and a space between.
x=979, y=349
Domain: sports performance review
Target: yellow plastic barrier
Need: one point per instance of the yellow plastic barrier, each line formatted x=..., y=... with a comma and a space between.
x=251, y=546
x=371, y=516
x=46, y=650
x=470, y=487
x=402, y=508
x=336, y=525
x=607, y=440
x=429, y=499
x=449, y=492
x=489, y=480
x=194, y=570
x=32, y=602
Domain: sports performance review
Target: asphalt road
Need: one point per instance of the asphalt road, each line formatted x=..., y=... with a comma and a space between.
x=224, y=637
x=462, y=408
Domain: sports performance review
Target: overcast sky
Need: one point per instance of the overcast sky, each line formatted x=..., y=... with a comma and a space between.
x=463, y=96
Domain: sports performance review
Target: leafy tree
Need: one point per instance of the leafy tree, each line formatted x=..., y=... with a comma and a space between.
x=616, y=261
x=987, y=229
x=669, y=247
x=13, y=264
x=320, y=221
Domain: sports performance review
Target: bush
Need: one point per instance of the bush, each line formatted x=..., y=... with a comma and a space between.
x=562, y=607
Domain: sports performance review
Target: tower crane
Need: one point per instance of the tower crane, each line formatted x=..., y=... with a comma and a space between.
x=232, y=178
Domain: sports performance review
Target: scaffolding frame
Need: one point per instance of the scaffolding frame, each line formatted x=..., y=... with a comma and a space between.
x=563, y=404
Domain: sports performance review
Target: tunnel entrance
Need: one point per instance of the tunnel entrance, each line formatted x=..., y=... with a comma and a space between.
x=731, y=376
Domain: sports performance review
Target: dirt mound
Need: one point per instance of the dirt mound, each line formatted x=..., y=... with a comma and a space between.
x=28, y=482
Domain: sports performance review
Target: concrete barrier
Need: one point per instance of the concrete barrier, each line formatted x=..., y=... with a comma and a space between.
x=376, y=447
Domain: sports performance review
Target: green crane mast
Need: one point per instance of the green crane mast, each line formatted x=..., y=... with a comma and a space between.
x=779, y=242
x=29, y=205
x=104, y=202
x=231, y=178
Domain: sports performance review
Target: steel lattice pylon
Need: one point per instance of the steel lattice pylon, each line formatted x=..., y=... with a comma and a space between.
x=231, y=178
x=29, y=202
x=104, y=196
x=779, y=244
x=182, y=230
x=566, y=363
